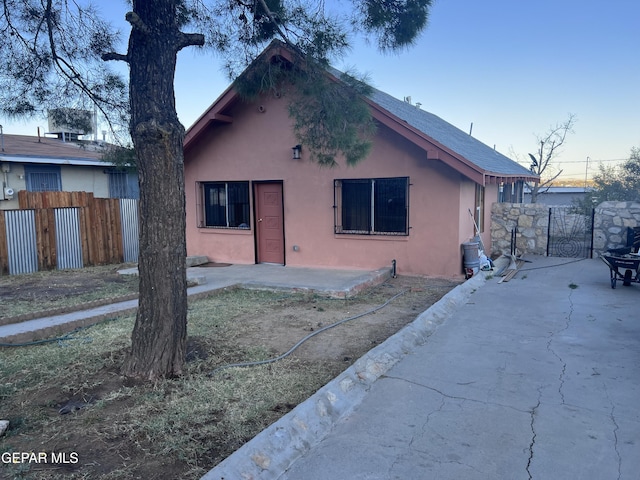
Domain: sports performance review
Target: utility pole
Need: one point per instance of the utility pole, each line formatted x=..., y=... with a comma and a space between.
x=586, y=170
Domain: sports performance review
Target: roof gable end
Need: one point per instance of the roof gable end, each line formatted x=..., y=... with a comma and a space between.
x=466, y=154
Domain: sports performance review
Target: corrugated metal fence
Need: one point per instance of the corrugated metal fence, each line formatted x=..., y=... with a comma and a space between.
x=102, y=231
x=68, y=244
x=20, y=228
x=130, y=230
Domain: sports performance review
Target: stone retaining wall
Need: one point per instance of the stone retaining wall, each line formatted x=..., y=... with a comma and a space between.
x=531, y=221
x=611, y=222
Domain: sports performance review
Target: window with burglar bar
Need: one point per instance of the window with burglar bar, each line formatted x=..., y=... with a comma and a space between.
x=43, y=178
x=123, y=184
x=375, y=206
x=225, y=204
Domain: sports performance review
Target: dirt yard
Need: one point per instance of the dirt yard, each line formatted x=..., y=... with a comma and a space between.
x=42, y=293
x=69, y=396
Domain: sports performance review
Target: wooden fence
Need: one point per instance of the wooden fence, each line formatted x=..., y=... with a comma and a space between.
x=99, y=224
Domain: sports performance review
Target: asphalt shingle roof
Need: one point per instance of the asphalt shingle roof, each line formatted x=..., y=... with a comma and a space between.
x=472, y=149
x=28, y=149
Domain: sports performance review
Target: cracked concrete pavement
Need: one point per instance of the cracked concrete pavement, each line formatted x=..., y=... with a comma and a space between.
x=537, y=378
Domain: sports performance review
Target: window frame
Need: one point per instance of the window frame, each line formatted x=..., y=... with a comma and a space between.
x=371, y=214
x=511, y=192
x=123, y=184
x=478, y=211
x=32, y=170
x=229, y=207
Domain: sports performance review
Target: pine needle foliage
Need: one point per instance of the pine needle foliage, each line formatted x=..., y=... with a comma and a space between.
x=394, y=23
x=331, y=118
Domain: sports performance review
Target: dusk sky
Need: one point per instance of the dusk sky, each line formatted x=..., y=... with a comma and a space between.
x=512, y=68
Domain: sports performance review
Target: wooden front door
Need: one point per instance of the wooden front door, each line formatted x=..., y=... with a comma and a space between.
x=269, y=223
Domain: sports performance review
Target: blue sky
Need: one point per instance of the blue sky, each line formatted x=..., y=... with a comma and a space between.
x=512, y=68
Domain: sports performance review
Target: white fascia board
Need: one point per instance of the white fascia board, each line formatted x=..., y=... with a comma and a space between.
x=87, y=162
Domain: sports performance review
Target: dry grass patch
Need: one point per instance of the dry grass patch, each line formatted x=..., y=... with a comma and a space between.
x=181, y=428
x=62, y=289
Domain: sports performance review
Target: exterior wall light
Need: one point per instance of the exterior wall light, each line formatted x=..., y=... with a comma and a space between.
x=296, y=152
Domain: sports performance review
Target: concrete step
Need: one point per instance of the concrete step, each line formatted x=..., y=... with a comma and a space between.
x=196, y=260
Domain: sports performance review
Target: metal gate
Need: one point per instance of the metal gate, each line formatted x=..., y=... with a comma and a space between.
x=570, y=232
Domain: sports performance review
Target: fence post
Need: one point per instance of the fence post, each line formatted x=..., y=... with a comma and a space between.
x=593, y=218
x=548, y=231
x=4, y=252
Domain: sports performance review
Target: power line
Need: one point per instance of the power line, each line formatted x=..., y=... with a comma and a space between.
x=560, y=163
x=591, y=160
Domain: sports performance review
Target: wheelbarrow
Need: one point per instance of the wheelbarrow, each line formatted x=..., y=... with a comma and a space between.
x=625, y=267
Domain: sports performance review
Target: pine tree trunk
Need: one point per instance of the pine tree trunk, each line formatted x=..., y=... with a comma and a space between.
x=159, y=335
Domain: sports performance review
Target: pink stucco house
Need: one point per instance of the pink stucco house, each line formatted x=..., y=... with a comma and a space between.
x=251, y=200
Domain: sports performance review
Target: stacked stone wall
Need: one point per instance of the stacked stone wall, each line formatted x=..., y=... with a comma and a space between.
x=529, y=221
x=610, y=224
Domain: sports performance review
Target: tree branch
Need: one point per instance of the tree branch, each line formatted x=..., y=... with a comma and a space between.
x=67, y=69
x=189, y=39
x=272, y=19
x=547, y=183
x=136, y=22
x=114, y=56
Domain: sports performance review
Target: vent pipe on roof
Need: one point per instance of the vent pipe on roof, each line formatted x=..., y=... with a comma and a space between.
x=471, y=129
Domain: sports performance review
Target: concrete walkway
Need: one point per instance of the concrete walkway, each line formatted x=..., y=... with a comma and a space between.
x=537, y=378
x=334, y=283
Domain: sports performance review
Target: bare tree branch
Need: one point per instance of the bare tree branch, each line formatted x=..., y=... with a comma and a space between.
x=550, y=147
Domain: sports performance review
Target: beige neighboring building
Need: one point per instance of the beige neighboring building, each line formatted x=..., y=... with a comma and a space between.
x=49, y=164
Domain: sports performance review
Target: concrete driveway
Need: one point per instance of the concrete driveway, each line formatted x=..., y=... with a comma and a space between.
x=537, y=378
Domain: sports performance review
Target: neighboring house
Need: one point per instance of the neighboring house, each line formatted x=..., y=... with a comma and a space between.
x=557, y=196
x=50, y=164
x=412, y=200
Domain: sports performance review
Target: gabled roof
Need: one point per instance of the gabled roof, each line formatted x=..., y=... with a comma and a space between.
x=460, y=144
x=42, y=150
x=440, y=140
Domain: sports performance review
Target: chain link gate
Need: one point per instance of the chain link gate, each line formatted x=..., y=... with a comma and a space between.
x=570, y=232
